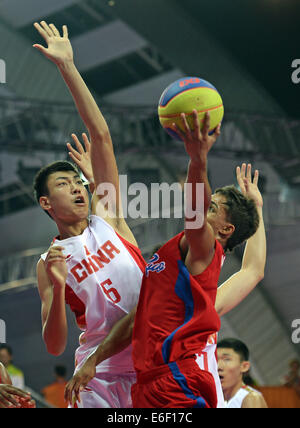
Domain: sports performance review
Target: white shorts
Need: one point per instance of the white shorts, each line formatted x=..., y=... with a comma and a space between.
x=107, y=391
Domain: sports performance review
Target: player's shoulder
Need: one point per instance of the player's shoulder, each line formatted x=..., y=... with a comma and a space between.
x=254, y=399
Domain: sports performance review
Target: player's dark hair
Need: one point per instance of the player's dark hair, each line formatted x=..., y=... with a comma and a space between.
x=40, y=184
x=242, y=213
x=237, y=345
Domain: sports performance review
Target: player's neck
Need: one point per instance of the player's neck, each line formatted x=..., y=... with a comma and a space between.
x=230, y=392
x=68, y=230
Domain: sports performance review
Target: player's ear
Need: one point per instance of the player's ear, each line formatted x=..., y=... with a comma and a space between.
x=45, y=203
x=245, y=366
x=227, y=230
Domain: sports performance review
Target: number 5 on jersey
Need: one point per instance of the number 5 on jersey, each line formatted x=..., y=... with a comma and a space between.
x=110, y=292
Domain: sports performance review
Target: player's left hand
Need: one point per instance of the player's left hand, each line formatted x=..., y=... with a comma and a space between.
x=249, y=187
x=82, y=156
x=59, y=49
x=79, y=381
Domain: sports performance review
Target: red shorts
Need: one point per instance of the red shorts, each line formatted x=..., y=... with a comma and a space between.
x=177, y=385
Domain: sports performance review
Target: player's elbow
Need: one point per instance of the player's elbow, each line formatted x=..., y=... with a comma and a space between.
x=56, y=351
x=100, y=135
x=260, y=276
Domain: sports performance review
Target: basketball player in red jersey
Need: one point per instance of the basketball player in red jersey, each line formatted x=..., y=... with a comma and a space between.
x=176, y=312
x=94, y=264
x=229, y=294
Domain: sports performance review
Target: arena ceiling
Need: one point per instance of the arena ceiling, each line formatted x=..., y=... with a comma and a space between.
x=129, y=50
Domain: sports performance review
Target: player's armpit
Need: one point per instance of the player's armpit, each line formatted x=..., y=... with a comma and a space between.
x=102, y=208
x=201, y=248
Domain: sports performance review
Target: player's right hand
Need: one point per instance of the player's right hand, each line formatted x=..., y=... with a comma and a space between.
x=80, y=380
x=9, y=394
x=56, y=266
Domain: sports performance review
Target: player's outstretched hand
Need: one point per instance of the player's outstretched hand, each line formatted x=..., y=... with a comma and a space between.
x=197, y=142
x=79, y=381
x=59, y=49
x=248, y=186
x=82, y=156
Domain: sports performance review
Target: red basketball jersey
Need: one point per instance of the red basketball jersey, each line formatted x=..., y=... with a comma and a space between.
x=176, y=311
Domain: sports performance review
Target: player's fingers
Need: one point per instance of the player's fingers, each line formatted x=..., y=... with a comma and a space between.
x=256, y=176
x=41, y=31
x=78, y=144
x=40, y=48
x=197, y=129
x=47, y=28
x=74, y=158
x=243, y=170
x=74, y=152
x=217, y=132
x=8, y=399
x=178, y=131
x=206, y=124
x=185, y=124
x=240, y=179
x=87, y=143
x=249, y=168
x=65, y=31
x=54, y=30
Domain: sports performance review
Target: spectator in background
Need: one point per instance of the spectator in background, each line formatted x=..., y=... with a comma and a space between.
x=16, y=375
x=233, y=365
x=54, y=393
x=292, y=379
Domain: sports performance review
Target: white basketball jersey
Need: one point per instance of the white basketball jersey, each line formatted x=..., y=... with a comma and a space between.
x=207, y=361
x=103, y=285
x=237, y=400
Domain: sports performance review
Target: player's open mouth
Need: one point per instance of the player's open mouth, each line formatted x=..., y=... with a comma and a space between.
x=79, y=200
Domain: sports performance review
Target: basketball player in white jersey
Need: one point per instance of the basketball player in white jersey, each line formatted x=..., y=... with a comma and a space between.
x=233, y=363
x=94, y=264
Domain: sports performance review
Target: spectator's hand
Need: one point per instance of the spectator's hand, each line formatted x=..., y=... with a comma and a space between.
x=10, y=397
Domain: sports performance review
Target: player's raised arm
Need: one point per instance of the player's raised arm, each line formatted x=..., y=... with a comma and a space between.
x=198, y=232
x=239, y=285
x=59, y=51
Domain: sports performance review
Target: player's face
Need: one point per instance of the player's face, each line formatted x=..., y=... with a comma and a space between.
x=217, y=214
x=68, y=199
x=230, y=367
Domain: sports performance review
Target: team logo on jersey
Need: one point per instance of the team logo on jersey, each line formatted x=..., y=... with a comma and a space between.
x=153, y=266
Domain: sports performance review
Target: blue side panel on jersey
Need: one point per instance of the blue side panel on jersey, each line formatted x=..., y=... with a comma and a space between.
x=184, y=292
x=175, y=88
x=181, y=380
